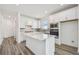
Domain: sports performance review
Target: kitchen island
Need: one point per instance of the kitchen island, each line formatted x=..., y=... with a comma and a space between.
x=39, y=43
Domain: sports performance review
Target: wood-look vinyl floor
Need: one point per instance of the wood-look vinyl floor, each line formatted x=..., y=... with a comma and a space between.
x=65, y=50
x=10, y=46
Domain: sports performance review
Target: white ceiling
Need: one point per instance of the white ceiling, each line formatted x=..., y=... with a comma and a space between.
x=35, y=10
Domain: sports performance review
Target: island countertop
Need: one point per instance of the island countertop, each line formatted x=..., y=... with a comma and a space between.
x=36, y=35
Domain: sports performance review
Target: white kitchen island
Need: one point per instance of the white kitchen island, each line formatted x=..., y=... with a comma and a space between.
x=39, y=43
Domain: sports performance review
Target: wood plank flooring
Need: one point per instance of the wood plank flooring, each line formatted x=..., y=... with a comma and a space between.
x=10, y=46
x=65, y=50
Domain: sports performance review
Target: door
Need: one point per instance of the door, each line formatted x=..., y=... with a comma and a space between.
x=69, y=33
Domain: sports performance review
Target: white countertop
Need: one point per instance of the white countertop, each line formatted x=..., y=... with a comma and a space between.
x=36, y=35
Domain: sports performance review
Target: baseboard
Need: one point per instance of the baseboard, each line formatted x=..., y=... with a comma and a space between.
x=66, y=45
x=70, y=46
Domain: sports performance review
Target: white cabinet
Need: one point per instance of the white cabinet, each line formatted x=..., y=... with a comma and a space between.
x=23, y=21
x=53, y=18
x=34, y=24
x=68, y=14
x=28, y=21
x=56, y=17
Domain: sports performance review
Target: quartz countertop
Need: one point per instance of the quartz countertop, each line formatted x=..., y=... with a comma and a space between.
x=36, y=35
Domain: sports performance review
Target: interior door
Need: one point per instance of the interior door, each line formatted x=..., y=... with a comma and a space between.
x=69, y=33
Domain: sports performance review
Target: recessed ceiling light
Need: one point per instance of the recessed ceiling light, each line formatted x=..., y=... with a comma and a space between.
x=9, y=16
x=37, y=16
x=17, y=4
x=45, y=11
x=61, y=4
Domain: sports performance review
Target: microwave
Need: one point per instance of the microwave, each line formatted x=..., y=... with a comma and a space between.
x=53, y=25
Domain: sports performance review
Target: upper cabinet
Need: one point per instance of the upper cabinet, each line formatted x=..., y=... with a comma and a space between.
x=68, y=14
x=26, y=21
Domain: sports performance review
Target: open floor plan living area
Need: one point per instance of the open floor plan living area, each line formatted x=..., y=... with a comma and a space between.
x=39, y=29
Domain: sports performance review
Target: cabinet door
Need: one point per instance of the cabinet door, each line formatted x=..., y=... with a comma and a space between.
x=54, y=18
x=51, y=19
x=34, y=24
x=70, y=14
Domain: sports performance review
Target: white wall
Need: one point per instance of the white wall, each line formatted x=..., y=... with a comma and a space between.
x=7, y=26
x=25, y=21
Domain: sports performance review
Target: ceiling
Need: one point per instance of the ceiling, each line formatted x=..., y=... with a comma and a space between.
x=35, y=10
